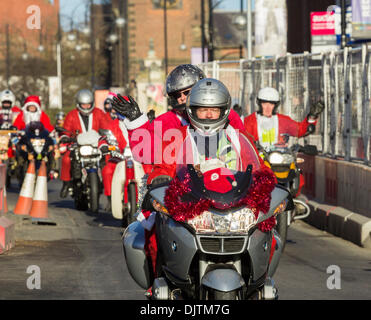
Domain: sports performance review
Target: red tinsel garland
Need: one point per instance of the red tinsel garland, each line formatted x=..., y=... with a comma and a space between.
x=258, y=199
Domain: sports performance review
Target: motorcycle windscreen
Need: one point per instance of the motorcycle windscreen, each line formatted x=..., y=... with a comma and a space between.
x=217, y=168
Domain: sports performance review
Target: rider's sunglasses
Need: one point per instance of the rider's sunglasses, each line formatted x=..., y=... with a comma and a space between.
x=178, y=94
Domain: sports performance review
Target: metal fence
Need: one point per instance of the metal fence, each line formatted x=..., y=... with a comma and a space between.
x=341, y=79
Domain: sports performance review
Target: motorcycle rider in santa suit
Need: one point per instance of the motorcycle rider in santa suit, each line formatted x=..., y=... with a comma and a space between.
x=208, y=107
x=85, y=117
x=267, y=126
x=8, y=110
x=178, y=85
x=119, y=131
x=8, y=113
x=31, y=111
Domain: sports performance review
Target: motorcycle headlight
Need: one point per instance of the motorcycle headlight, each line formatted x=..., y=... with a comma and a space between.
x=86, y=150
x=38, y=142
x=279, y=158
x=239, y=221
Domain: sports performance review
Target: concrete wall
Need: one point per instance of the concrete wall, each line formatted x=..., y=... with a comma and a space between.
x=338, y=183
x=339, y=194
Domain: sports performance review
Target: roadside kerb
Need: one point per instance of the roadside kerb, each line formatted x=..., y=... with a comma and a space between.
x=340, y=222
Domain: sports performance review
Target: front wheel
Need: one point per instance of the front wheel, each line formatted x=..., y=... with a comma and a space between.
x=132, y=203
x=93, y=192
x=221, y=295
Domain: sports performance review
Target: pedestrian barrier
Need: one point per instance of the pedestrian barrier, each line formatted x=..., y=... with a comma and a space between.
x=39, y=207
x=24, y=203
x=5, y=202
x=7, y=239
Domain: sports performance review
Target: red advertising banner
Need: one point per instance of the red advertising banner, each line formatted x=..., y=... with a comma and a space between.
x=322, y=23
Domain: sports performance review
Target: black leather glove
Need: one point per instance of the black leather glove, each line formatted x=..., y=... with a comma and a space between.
x=316, y=109
x=129, y=109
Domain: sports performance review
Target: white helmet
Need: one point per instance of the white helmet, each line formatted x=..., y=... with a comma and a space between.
x=268, y=94
x=7, y=95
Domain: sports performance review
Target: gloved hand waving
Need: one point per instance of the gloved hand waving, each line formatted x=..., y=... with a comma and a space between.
x=128, y=108
x=316, y=109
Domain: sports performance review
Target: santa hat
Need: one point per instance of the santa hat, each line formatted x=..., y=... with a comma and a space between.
x=219, y=180
x=32, y=100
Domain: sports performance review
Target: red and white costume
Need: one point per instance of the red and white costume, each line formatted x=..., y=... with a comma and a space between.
x=97, y=120
x=25, y=117
x=150, y=134
x=268, y=130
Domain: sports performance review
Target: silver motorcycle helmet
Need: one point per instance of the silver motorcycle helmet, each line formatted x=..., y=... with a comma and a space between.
x=268, y=94
x=84, y=96
x=182, y=77
x=208, y=93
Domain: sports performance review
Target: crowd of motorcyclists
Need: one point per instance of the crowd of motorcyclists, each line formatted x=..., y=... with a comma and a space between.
x=199, y=109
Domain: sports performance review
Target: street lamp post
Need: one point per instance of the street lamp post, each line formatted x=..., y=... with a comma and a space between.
x=59, y=64
x=92, y=45
x=165, y=37
x=7, y=55
x=249, y=33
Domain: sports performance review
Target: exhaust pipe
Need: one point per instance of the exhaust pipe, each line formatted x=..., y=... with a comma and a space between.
x=298, y=216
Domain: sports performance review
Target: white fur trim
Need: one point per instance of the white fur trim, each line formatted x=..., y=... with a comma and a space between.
x=131, y=125
x=31, y=103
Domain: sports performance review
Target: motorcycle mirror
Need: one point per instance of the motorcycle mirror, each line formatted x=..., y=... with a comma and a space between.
x=159, y=194
x=310, y=150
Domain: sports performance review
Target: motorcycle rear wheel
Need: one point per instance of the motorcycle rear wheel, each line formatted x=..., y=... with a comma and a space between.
x=94, y=192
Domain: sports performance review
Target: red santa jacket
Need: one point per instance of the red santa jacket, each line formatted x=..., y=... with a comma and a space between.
x=97, y=120
x=168, y=168
x=117, y=132
x=285, y=125
x=146, y=137
x=44, y=119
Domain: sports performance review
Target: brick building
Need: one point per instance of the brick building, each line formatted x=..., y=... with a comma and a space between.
x=21, y=16
x=146, y=23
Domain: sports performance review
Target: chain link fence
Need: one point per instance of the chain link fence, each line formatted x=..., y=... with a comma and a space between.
x=341, y=79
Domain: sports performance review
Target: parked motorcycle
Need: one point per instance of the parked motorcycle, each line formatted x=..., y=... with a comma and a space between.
x=283, y=160
x=214, y=241
x=85, y=169
x=35, y=143
x=126, y=180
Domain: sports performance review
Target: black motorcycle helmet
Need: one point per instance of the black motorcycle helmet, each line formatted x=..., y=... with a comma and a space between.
x=36, y=129
x=182, y=77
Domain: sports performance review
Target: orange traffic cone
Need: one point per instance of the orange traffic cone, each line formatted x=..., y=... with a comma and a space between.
x=39, y=207
x=24, y=203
